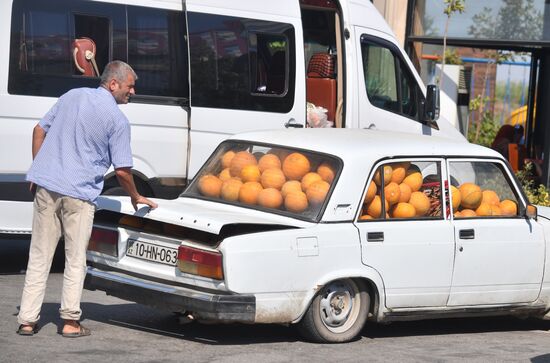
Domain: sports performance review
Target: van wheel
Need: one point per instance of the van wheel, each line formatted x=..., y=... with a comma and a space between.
x=337, y=313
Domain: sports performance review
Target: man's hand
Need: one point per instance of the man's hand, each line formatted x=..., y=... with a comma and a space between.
x=140, y=199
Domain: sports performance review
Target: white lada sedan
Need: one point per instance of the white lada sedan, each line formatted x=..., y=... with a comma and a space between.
x=329, y=229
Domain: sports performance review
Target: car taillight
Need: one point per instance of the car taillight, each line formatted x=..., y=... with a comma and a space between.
x=200, y=262
x=104, y=241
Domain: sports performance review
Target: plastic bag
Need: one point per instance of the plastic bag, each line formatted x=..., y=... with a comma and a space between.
x=317, y=116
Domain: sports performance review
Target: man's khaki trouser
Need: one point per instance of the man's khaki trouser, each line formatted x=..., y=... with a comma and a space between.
x=55, y=214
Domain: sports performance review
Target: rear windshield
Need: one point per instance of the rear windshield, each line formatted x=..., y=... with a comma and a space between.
x=270, y=178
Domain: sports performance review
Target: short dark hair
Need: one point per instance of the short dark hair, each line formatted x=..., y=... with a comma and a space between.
x=117, y=70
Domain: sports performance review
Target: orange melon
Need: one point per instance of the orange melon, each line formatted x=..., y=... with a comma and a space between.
x=210, y=186
x=225, y=174
x=269, y=161
x=365, y=217
x=388, y=171
x=420, y=202
x=470, y=195
x=495, y=210
x=508, y=207
x=296, y=201
x=226, y=159
x=392, y=193
x=317, y=192
x=405, y=193
x=490, y=196
x=308, y=179
x=249, y=192
x=455, y=195
x=230, y=189
x=326, y=172
x=371, y=192
x=295, y=166
x=291, y=186
x=374, y=208
x=240, y=160
x=413, y=179
x=403, y=210
x=484, y=209
x=399, y=172
x=250, y=173
x=467, y=213
x=281, y=153
x=270, y=198
x=273, y=178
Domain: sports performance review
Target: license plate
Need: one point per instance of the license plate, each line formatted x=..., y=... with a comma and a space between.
x=152, y=252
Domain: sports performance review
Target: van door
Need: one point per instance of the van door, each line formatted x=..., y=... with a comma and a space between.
x=390, y=97
x=499, y=253
x=246, y=70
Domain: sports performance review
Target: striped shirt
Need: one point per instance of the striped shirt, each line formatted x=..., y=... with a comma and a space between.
x=86, y=132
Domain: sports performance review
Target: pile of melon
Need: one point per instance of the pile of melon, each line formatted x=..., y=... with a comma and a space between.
x=402, y=195
x=469, y=200
x=278, y=179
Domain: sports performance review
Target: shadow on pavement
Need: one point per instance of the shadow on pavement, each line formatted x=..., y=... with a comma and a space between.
x=14, y=254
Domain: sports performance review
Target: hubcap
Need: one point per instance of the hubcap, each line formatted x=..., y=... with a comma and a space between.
x=339, y=305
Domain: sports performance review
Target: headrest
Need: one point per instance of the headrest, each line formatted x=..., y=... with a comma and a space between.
x=321, y=65
x=84, y=55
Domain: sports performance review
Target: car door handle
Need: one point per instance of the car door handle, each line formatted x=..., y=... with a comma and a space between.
x=466, y=234
x=293, y=123
x=375, y=236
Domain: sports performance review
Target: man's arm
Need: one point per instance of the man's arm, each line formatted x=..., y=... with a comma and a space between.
x=126, y=181
x=38, y=136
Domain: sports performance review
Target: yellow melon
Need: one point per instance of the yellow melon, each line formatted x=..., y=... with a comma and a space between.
x=317, y=192
x=484, y=209
x=273, y=178
x=291, y=186
x=308, y=179
x=226, y=158
x=455, y=195
x=296, y=201
x=470, y=195
x=405, y=193
x=210, y=186
x=467, y=213
x=392, y=193
x=249, y=192
x=239, y=161
x=371, y=192
x=388, y=171
x=295, y=166
x=250, y=173
x=399, y=172
x=326, y=172
x=508, y=207
x=225, y=174
x=269, y=161
x=374, y=208
x=413, y=179
x=495, y=210
x=420, y=202
x=270, y=198
x=403, y=210
x=365, y=217
x=490, y=196
x=230, y=189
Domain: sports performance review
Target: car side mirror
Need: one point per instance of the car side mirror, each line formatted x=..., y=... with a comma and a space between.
x=531, y=211
x=431, y=107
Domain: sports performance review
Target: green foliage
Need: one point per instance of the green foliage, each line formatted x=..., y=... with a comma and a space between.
x=453, y=6
x=452, y=57
x=488, y=127
x=539, y=195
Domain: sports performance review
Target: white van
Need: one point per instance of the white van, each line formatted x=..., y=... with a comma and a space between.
x=207, y=69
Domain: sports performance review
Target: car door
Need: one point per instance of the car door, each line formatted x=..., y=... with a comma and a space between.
x=408, y=240
x=244, y=60
x=499, y=252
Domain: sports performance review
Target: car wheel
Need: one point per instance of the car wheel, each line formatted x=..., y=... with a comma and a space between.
x=337, y=313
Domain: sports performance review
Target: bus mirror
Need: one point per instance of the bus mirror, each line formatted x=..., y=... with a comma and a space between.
x=431, y=109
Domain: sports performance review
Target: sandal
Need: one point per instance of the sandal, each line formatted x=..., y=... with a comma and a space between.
x=82, y=332
x=27, y=332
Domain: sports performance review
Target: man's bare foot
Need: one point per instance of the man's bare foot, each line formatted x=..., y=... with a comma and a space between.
x=71, y=326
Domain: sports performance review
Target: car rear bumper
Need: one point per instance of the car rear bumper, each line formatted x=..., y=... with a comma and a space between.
x=203, y=305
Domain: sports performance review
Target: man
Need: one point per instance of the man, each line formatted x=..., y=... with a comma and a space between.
x=72, y=148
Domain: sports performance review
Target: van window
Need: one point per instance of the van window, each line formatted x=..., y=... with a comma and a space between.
x=409, y=189
x=239, y=63
x=388, y=81
x=42, y=61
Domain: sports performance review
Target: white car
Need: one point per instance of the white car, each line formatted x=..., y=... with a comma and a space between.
x=288, y=227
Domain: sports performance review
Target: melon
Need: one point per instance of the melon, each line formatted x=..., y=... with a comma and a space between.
x=296, y=201
x=230, y=189
x=291, y=186
x=508, y=207
x=240, y=160
x=308, y=179
x=269, y=161
x=225, y=174
x=490, y=196
x=455, y=195
x=470, y=195
x=295, y=166
x=374, y=208
x=273, y=178
x=484, y=209
x=403, y=210
x=250, y=173
x=326, y=172
x=210, y=186
x=413, y=179
x=371, y=192
x=420, y=202
x=317, y=192
x=467, y=213
x=226, y=158
x=405, y=193
x=399, y=172
x=392, y=193
x=249, y=192
x=270, y=198
x=388, y=171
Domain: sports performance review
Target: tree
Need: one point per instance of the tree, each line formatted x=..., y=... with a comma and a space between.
x=451, y=7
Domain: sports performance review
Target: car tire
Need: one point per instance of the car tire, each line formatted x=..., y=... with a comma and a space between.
x=337, y=313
